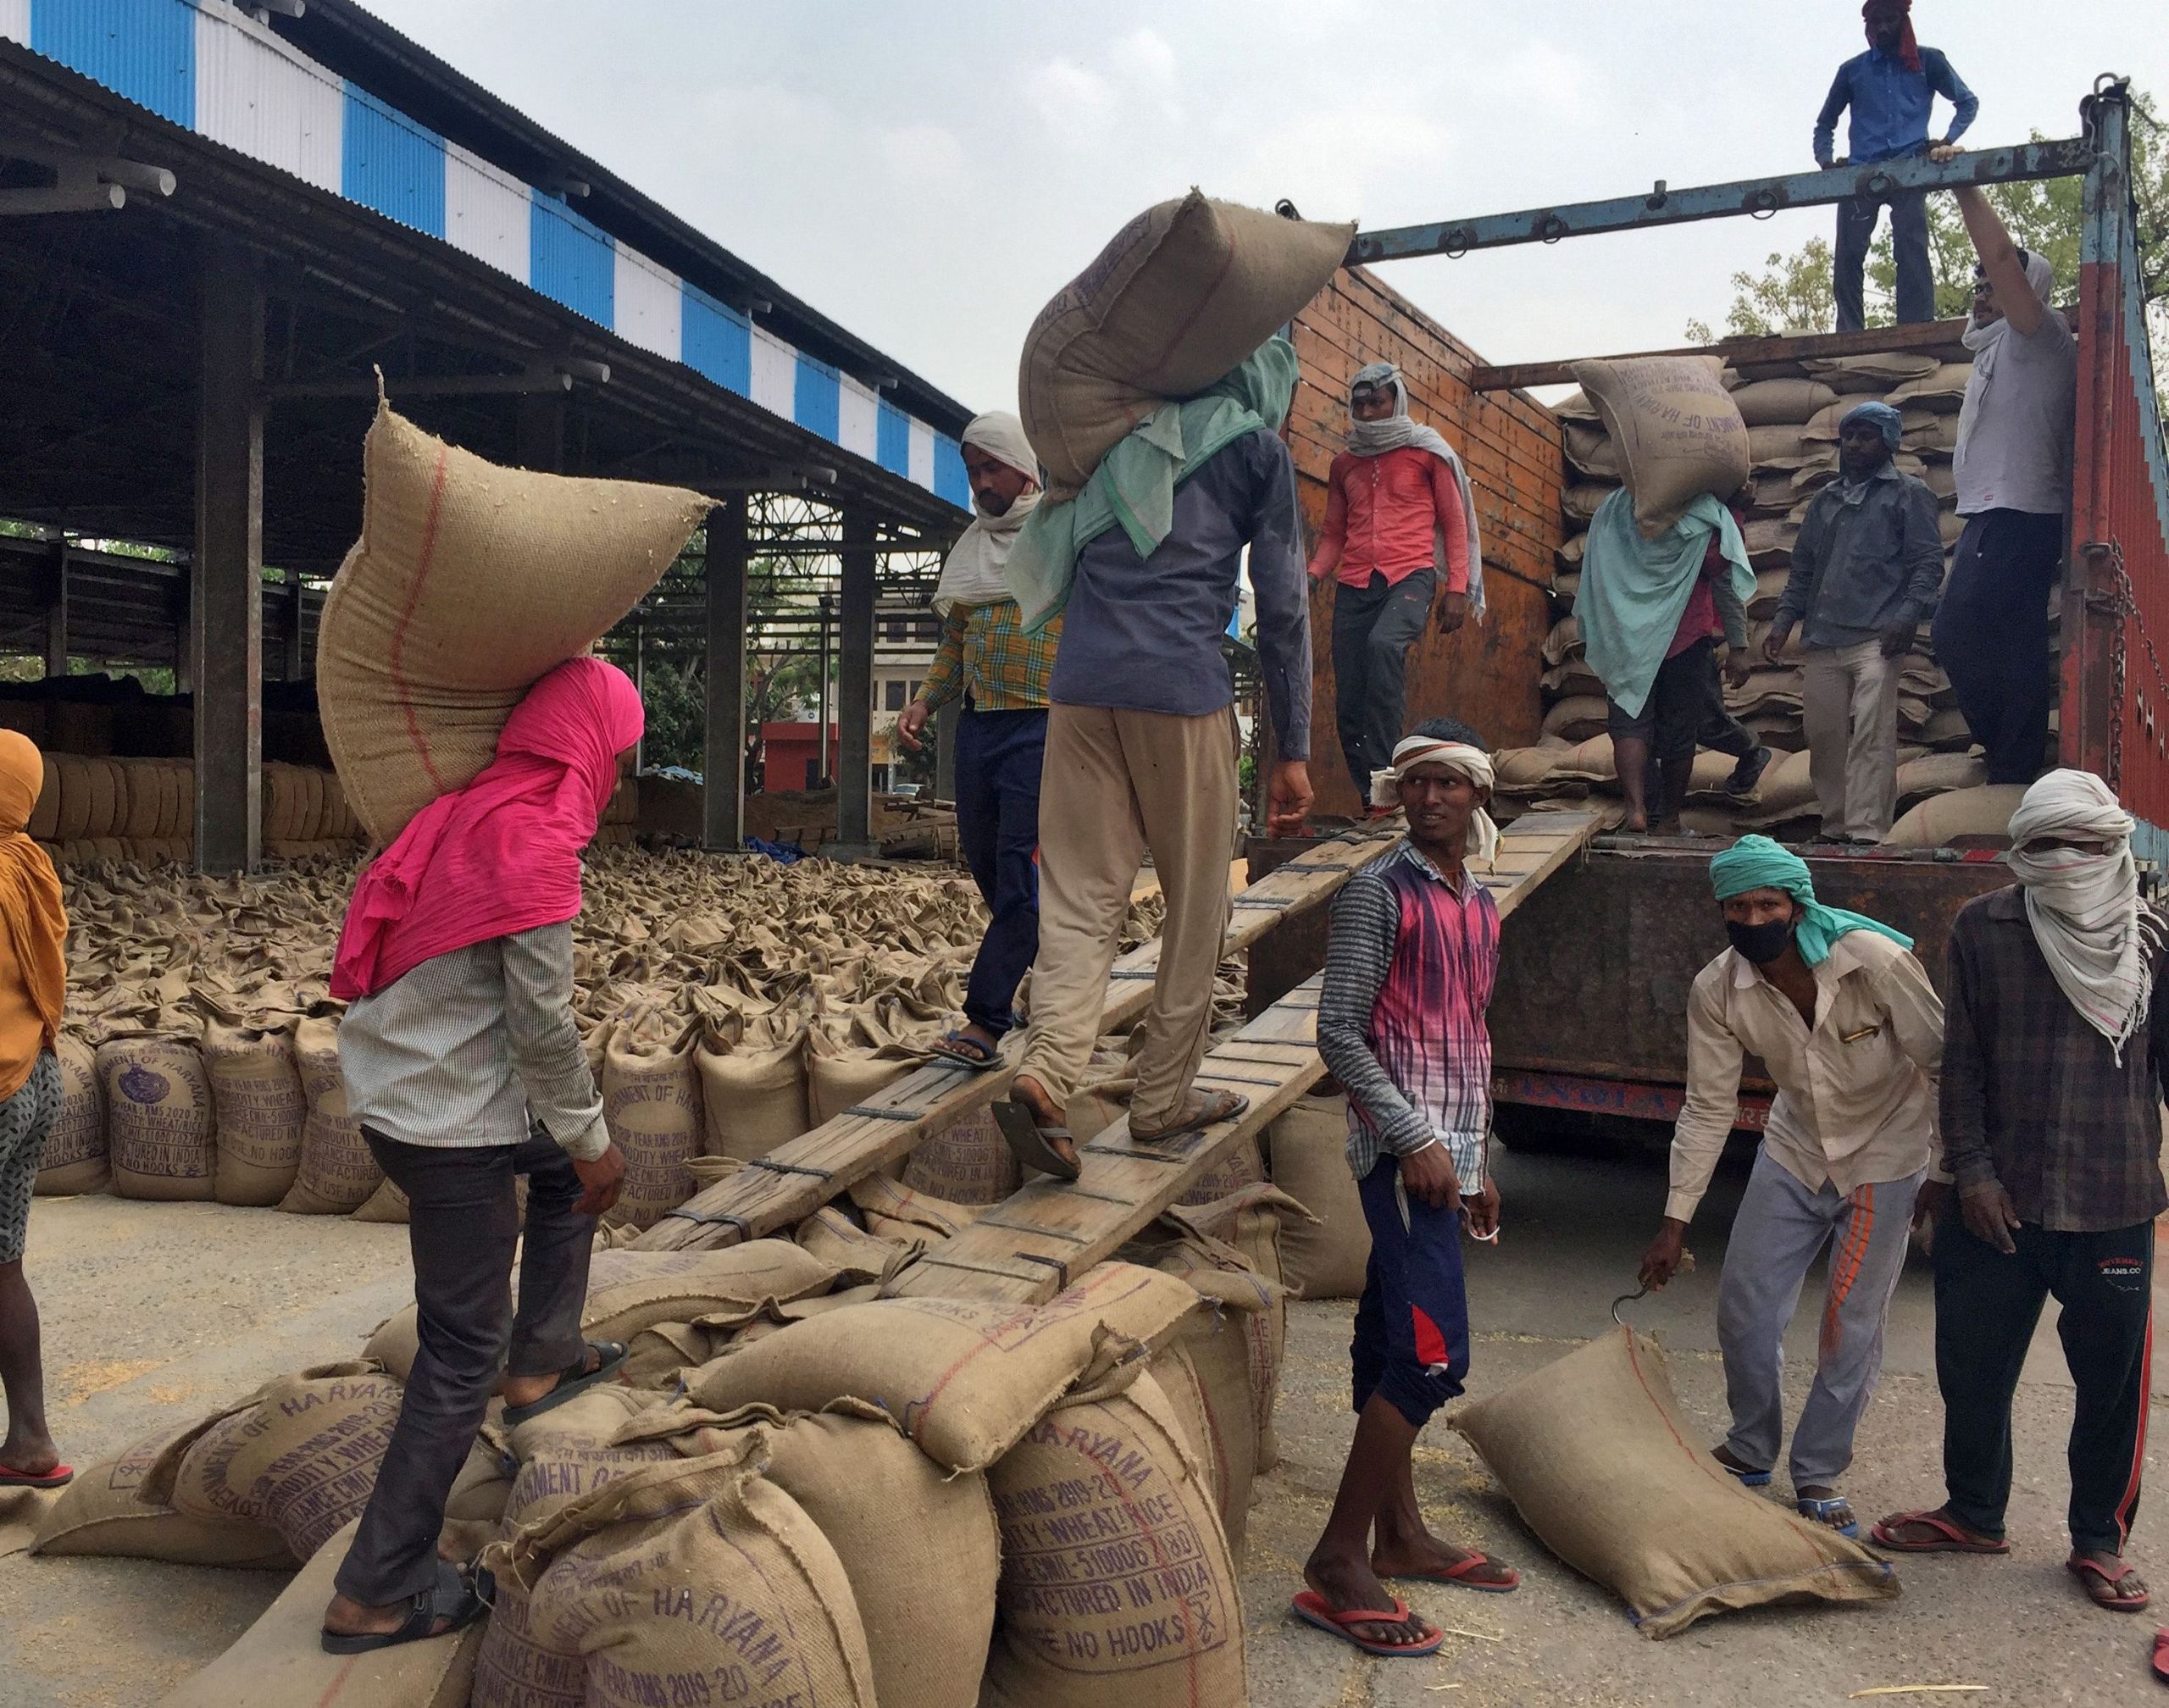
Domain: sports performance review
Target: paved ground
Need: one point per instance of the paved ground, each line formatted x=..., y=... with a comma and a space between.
x=155, y=1313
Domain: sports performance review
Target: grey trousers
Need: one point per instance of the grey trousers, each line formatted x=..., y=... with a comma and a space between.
x=463, y=1225
x=1780, y=1229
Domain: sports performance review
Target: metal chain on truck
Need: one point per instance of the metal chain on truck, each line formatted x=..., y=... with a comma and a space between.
x=2121, y=601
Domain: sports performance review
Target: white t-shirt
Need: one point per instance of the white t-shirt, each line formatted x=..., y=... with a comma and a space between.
x=2014, y=431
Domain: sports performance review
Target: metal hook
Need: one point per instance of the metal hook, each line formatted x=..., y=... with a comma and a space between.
x=1627, y=1298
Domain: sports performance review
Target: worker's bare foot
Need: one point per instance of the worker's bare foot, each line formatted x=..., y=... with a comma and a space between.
x=1635, y=824
x=525, y=1390
x=1426, y=1555
x=32, y=1455
x=1350, y=1585
x=1027, y=1090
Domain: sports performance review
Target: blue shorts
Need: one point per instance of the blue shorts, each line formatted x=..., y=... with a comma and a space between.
x=1412, y=1327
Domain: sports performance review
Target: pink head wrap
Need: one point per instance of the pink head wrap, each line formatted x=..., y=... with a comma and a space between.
x=501, y=855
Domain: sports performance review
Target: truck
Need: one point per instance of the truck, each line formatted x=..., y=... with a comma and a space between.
x=1587, y=1021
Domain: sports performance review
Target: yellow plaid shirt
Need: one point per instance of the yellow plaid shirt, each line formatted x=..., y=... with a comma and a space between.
x=986, y=652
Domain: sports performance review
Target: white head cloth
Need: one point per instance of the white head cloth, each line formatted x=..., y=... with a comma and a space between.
x=1396, y=433
x=971, y=575
x=1986, y=344
x=2085, y=909
x=1457, y=758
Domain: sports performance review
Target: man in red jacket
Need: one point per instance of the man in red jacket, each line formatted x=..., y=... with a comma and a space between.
x=1399, y=519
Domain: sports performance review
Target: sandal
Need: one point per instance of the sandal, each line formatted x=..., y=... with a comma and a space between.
x=1954, y=1540
x=2103, y=1594
x=1745, y=1477
x=58, y=1478
x=1313, y=1609
x=1218, y=1106
x=455, y=1598
x=1028, y=1140
x=1458, y=1574
x=1823, y=1511
x=2161, y=1655
x=573, y=1379
x=965, y=1051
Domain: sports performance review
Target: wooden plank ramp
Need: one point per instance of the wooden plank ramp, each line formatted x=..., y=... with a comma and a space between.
x=797, y=1178
x=1042, y=1237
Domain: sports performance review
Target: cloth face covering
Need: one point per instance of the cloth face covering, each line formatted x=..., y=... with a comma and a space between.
x=1397, y=432
x=1457, y=758
x=30, y=910
x=1756, y=862
x=972, y=573
x=2085, y=909
x=501, y=855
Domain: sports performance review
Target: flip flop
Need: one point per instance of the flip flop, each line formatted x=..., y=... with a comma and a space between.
x=1820, y=1512
x=965, y=1051
x=1313, y=1609
x=1219, y=1105
x=1747, y=1479
x=2105, y=1596
x=58, y=1478
x=455, y=1598
x=1458, y=1575
x=2161, y=1655
x=1028, y=1140
x=1955, y=1540
x=573, y=1379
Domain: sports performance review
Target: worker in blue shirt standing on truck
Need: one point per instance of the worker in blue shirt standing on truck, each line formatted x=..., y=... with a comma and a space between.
x=1891, y=90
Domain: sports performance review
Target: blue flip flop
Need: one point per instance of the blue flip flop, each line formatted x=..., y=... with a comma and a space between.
x=1747, y=1479
x=1820, y=1511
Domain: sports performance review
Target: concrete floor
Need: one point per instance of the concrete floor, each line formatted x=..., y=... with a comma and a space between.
x=155, y=1313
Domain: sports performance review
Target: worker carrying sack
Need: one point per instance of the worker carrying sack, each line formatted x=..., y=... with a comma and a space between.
x=469, y=583
x=1601, y=1463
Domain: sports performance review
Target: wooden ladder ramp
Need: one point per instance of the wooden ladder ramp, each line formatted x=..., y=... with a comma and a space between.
x=797, y=1178
x=1045, y=1236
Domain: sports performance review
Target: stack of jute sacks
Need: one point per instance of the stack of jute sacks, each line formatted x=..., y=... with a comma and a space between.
x=94, y=809
x=1791, y=411
x=802, y=1484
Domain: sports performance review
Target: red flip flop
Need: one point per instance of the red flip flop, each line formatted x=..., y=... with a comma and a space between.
x=1954, y=1540
x=1313, y=1609
x=1458, y=1575
x=2161, y=1655
x=58, y=1478
x=2078, y=1565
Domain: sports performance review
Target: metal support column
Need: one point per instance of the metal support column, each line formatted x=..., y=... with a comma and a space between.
x=855, y=694
x=825, y=706
x=226, y=601
x=295, y=662
x=640, y=687
x=56, y=612
x=539, y=432
x=723, y=764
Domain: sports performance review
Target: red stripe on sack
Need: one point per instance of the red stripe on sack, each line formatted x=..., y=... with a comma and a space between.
x=2138, y=1447
x=338, y=1684
x=406, y=618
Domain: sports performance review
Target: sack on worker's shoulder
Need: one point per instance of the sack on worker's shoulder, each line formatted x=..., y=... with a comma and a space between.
x=1179, y=297
x=469, y=583
x=1601, y=1463
x=1677, y=432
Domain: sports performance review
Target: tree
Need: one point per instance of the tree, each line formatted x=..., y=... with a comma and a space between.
x=1793, y=292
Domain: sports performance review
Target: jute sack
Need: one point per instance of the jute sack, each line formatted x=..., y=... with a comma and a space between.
x=1601, y=1463
x=1227, y=1342
x=835, y=1238
x=697, y=1580
x=1327, y=1258
x=299, y=1459
x=1179, y=297
x=278, y=1662
x=386, y=1204
x=1244, y=1259
x=1976, y=817
x=651, y=1104
x=565, y=1453
x=964, y=1379
x=468, y=583
x=261, y=1111
x=1781, y=402
x=337, y=1172
x=840, y=1076
x=895, y=1211
x=628, y=1291
x=1677, y=431
x=158, y=1122
x=753, y=1099
x=1117, y=1582
x=74, y=1155
x=967, y=1163
x=102, y=1512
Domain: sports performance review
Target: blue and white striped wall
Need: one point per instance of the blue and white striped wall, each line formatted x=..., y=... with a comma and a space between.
x=208, y=67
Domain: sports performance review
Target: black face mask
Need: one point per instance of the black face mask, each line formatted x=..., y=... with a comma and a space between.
x=1760, y=944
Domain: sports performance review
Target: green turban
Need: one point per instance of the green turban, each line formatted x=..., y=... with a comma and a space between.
x=1756, y=862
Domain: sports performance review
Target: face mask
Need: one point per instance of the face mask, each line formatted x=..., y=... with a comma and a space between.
x=1760, y=944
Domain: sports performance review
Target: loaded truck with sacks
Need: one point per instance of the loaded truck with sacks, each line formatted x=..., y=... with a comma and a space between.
x=1587, y=1024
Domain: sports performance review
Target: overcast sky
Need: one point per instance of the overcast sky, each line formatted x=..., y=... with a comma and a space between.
x=930, y=174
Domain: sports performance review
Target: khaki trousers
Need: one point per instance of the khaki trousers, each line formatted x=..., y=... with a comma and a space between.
x=1848, y=707
x=1117, y=783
